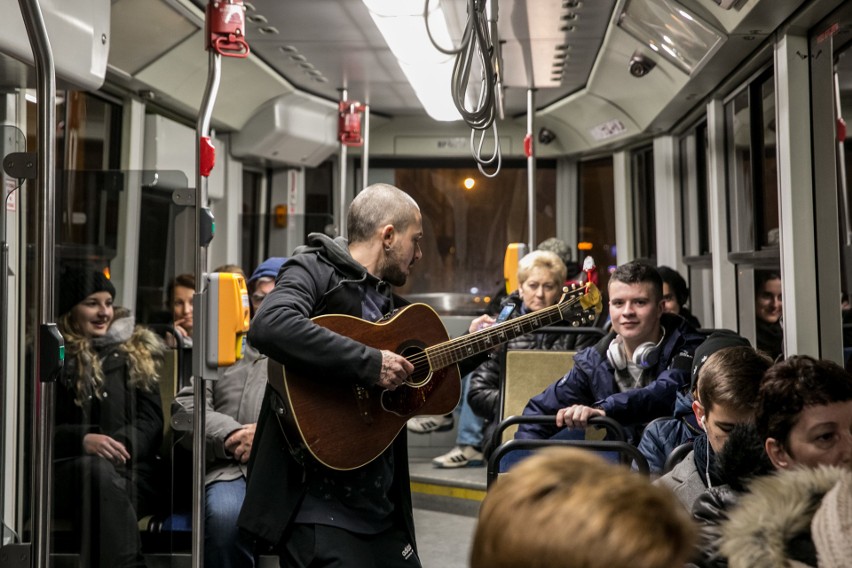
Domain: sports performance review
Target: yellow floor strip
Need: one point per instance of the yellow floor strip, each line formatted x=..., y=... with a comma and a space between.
x=446, y=491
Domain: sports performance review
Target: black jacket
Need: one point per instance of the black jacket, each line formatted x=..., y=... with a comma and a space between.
x=321, y=279
x=131, y=415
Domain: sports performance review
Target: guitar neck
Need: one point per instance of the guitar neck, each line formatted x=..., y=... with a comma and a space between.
x=461, y=348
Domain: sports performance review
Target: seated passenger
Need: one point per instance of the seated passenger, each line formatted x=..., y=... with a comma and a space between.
x=633, y=374
x=804, y=420
x=180, y=293
x=767, y=307
x=726, y=395
x=676, y=295
x=779, y=521
x=805, y=413
x=233, y=406
x=109, y=420
x=567, y=508
x=540, y=275
x=663, y=435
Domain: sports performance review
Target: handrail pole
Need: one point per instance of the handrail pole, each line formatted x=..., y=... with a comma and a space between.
x=42, y=486
x=341, y=224
x=199, y=331
x=531, y=172
x=365, y=151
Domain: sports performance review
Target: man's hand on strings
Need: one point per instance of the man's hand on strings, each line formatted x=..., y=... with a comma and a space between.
x=395, y=370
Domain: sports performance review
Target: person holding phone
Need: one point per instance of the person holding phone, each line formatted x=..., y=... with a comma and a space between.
x=540, y=275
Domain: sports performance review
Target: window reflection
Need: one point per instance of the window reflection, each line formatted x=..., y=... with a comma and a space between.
x=467, y=229
x=597, y=214
x=645, y=236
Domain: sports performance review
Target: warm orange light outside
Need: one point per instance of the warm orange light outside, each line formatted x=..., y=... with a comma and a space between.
x=469, y=183
x=584, y=245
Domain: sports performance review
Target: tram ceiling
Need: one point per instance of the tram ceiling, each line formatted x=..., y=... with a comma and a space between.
x=575, y=53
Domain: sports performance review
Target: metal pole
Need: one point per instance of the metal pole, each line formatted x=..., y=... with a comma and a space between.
x=531, y=167
x=341, y=225
x=42, y=502
x=365, y=151
x=199, y=332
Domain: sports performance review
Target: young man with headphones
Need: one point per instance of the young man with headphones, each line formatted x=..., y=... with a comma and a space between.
x=633, y=374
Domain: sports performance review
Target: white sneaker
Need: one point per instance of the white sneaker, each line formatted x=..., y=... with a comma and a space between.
x=460, y=456
x=426, y=424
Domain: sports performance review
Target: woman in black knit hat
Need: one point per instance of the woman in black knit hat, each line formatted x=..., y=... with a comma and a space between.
x=109, y=420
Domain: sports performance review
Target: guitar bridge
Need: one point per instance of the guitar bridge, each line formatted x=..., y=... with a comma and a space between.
x=362, y=397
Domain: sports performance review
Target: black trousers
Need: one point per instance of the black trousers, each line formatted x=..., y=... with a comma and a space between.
x=320, y=546
x=98, y=500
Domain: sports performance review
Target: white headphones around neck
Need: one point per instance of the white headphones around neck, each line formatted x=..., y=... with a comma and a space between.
x=645, y=356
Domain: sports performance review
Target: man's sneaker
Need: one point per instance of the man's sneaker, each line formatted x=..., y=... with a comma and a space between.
x=426, y=424
x=460, y=456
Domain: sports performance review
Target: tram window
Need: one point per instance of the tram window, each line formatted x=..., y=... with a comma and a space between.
x=88, y=133
x=466, y=230
x=251, y=228
x=597, y=214
x=843, y=78
x=752, y=167
x=695, y=207
x=643, y=203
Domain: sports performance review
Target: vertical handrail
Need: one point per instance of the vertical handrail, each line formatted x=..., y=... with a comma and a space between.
x=365, y=151
x=531, y=166
x=199, y=332
x=42, y=502
x=341, y=225
x=4, y=360
x=841, y=163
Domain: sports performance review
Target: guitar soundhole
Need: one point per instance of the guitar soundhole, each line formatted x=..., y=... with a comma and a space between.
x=416, y=355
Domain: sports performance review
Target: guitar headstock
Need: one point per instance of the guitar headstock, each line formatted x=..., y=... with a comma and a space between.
x=580, y=303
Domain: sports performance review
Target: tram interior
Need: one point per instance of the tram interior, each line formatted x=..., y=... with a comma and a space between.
x=705, y=135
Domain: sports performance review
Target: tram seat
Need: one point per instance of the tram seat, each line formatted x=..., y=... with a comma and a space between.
x=175, y=469
x=677, y=455
x=526, y=373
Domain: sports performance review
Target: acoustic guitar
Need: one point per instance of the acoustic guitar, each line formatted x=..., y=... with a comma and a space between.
x=345, y=426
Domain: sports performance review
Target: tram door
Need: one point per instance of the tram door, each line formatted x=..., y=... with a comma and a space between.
x=831, y=99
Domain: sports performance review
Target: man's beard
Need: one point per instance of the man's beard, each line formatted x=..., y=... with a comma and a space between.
x=391, y=272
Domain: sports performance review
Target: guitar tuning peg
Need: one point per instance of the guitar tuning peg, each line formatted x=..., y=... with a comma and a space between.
x=575, y=323
x=565, y=289
x=591, y=317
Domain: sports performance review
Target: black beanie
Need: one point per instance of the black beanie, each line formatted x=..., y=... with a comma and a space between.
x=77, y=283
x=717, y=341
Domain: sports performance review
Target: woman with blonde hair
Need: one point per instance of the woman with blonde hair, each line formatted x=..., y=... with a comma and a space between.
x=109, y=420
x=566, y=507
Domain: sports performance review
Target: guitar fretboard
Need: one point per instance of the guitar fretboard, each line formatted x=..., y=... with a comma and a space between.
x=455, y=350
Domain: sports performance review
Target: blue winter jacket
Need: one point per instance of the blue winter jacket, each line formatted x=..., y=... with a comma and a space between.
x=664, y=435
x=591, y=382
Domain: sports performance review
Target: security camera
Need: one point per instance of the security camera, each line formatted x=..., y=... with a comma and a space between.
x=546, y=136
x=640, y=65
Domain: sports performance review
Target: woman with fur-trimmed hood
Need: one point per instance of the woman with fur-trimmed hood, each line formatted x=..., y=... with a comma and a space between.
x=782, y=521
x=109, y=420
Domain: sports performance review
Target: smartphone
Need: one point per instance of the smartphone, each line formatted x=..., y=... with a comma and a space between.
x=505, y=313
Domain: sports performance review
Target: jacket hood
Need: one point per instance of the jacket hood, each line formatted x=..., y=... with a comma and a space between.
x=336, y=251
x=763, y=529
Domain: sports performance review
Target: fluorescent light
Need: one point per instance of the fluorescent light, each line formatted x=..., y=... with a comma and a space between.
x=685, y=40
x=428, y=70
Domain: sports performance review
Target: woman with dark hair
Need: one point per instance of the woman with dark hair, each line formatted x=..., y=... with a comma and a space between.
x=676, y=295
x=109, y=420
x=180, y=293
x=767, y=309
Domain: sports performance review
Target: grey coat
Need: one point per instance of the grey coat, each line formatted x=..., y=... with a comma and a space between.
x=233, y=401
x=684, y=481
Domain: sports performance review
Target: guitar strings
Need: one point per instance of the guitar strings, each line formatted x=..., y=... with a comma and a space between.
x=447, y=347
